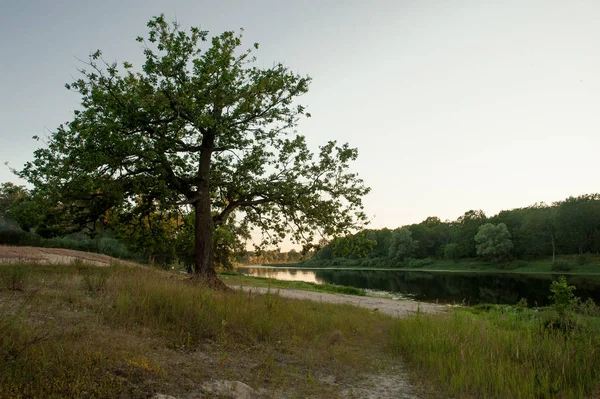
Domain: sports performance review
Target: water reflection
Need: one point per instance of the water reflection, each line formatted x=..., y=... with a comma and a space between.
x=468, y=288
x=308, y=276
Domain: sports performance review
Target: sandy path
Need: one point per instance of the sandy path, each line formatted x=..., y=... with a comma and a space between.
x=392, y=307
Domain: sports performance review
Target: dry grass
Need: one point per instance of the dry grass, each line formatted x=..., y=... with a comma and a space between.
x=76, y=330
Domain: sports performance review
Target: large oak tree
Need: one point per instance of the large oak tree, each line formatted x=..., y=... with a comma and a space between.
x=199, y=125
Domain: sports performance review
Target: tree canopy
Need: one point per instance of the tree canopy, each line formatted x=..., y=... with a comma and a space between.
x=200, y=130
x=493, y=241
x=567, y=227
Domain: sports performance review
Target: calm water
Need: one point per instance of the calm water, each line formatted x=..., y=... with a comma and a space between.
x=468, y=288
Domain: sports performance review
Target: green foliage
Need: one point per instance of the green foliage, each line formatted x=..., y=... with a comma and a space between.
x=493, y=242
x=562, y=296
x=452, y=252
x=198, y=126
x=577, y=222
x=17, y=205
x=465, y=229
x=402, y=246
x=581, y=259
x=562, y=265
x=355, y=246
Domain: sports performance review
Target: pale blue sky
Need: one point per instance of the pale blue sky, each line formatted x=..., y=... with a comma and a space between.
x=454, y=105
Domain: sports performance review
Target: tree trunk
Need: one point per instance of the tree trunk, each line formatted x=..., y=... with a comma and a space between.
x=203, y=241
x=204, y=268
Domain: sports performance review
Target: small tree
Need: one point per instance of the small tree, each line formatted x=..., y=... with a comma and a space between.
x=17, y=206
x=562, y=296
x=198, y=128
x=493, y=241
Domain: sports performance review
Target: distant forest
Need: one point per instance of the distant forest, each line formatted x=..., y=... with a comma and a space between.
x=539, y=231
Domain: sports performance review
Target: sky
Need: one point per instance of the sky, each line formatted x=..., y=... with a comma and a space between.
x=453, y=105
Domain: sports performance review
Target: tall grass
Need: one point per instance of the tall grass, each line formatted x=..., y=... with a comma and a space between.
x=500, y=354
x=14, y=278
x=183, y=310
x=132, y=332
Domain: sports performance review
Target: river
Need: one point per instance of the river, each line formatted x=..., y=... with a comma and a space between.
x=443, y=287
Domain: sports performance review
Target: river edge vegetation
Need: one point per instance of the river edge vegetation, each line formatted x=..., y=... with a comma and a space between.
x=547, y=266
x=560, y=237
x=153, y=332
x=236, y=280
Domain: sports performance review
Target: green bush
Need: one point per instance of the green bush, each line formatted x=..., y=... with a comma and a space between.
x=452, y=252
x=581, y=259
x=562, y=297
x=562, y=266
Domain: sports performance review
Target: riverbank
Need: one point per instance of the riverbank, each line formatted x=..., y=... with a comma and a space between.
x=156, y=332
x=391, y=307
x=238, y=280
x=545, y=266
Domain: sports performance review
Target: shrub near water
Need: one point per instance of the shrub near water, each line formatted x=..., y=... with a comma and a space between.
x=562, y=266
x=504, y=353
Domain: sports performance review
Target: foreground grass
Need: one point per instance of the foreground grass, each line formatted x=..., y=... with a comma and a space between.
x=505, y=352
x=76, y=330
x=237, y=280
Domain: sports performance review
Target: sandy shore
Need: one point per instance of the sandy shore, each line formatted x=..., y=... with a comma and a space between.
x=392, y=307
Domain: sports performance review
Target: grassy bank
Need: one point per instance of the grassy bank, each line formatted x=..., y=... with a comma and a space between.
x=503, y=351
x=237, y=280
x=590, y=266
x=154, y=331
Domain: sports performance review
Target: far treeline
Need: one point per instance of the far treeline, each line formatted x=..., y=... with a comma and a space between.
x=540, y=231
